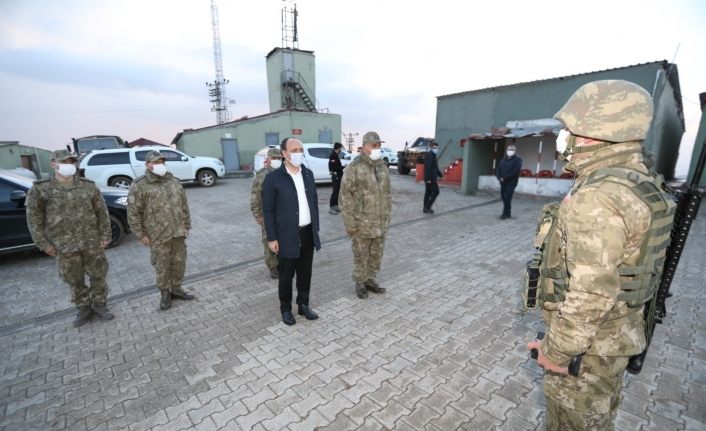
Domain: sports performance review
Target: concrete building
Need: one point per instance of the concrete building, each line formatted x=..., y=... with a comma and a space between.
x=294, y=111
x=13, y=155
x=476, y=126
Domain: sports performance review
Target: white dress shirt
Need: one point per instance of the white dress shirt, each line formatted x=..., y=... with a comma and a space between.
x=304, y=213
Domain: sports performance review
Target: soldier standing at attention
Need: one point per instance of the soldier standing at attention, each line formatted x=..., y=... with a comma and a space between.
x=158, y=214
x=291, y=211
x=67, y=218
x=335, y=167
x=366, y=203
x=274, y=155
x=431, y=177
x=603, y=254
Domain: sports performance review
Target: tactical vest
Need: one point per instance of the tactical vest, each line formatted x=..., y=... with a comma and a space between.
x=638, y=283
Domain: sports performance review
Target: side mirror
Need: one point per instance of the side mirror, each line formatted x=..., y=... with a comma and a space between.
x=18, y=196
x=184, y=158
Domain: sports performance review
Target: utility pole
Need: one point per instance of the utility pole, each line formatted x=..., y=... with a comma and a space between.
x=349, y=140
x=217, y=88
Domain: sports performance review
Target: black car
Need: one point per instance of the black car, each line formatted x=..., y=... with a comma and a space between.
x=14, y=233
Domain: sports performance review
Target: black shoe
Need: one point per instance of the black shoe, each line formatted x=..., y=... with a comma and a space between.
x=102, y=311
x=180, y=294
x=274, y=273
x=374, y=287
x=504, y=217
x=288, y=318
x=307, y=312
x=84, y=315
x=361, y=291
x=166, y=302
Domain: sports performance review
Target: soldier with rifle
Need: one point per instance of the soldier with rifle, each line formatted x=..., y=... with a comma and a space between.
x=600, y=254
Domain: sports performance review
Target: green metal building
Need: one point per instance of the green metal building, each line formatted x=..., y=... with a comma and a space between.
x=476, y=126
x=13, y=155
x=294, y=112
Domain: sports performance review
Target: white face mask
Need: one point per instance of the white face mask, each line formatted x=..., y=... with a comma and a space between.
x=375, y=154
x=66, y=169
x=159, y=169
x=276, y=163
x=510, y=153
x=296, y=158
x=435, y=150
x=562, y=141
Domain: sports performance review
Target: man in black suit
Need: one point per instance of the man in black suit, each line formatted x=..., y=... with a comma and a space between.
x=431, y=177
x=291, y=214
x=336, y=169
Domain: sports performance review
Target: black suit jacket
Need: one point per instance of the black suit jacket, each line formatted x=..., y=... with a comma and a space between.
x=280, y=210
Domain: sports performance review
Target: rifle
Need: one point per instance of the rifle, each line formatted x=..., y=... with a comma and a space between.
x=688, y=202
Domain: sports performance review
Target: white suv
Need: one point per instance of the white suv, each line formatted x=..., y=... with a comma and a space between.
x=389, y=156
x=119, y=167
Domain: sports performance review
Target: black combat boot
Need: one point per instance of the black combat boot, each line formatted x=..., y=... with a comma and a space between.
x=84, y=315
x=102, y=311
x=180, y=294
x=374, y=287
x=166, y=302
x=361, y=291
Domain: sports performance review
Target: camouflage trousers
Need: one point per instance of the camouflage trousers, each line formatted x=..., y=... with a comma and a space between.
x=587, y=402
x=270, y=258
x=367, y=257
x=73, y=268
x=169, y=260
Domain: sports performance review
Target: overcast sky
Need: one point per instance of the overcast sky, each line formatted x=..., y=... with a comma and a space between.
x=137, y=68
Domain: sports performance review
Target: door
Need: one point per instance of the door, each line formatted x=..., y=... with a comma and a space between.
x=272, y=138
x=178, y=164
x=231, y=157
x=325, y=136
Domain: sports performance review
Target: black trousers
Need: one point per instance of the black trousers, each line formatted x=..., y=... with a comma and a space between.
x=336, y=187
x=301, y=267
x=431, y=191
x=506, y=192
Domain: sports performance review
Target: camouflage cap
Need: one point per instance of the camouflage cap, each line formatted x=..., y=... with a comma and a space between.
x=274, y=152
x=153, y=156
x=608, y=110
x=62, y=155
x=372, y=138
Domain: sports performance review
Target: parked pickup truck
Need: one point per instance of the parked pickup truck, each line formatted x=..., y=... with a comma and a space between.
x=119, y=167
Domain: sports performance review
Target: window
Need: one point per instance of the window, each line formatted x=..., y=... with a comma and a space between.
x=140, y=155
x=120, y=158
x=171, y=156
x=320, y=153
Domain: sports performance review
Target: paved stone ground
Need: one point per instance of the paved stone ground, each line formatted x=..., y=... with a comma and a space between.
x=444, y=349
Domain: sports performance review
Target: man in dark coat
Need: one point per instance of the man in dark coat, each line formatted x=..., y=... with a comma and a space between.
x=508, y=173
x=336, y=169
x=431, y=177
x=291, y=214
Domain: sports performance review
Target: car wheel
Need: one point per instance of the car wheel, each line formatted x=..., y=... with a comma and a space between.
x=206, y=178
x=387, y=162
x=117, y=230
x=120, y=182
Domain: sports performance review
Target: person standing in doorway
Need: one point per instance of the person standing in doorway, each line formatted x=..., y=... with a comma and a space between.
x=508, y=173
x=336, y=169
x=431, y=177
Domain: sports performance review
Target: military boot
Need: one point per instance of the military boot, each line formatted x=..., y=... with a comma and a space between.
x=84, y=315
x=374, y=287
x=181, y=294
x=102, y=311
x=361, y=291
x=166, y=302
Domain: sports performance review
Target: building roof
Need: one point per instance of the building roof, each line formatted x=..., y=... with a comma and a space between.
x=5, y=143
x=141, y=142
x=287, y=49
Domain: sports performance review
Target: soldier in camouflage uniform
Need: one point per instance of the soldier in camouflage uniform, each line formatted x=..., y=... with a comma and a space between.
x=158, y=214
x=67, y=218
x=608, y=237
x=274, y=155
x=365, y=202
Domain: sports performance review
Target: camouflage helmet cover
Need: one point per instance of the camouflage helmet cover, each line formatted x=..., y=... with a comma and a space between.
x=153, y=156
x=274, y=152
x=63, y=155
x=608, y=110
x=372, y=138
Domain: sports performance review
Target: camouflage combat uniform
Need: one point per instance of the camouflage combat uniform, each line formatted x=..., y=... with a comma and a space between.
x=256, y=210
x=601, y=228
x=157, y=208
x=72, y=217
x=366, y=204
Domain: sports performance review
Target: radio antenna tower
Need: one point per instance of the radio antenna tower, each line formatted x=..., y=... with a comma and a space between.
x=217, y=88
x=290, y=33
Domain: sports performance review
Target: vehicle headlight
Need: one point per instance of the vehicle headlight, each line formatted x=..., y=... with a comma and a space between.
x=121, y=201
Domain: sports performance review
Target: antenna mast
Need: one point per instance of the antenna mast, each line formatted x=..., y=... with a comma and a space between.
x=290, y=33
x=217, y=88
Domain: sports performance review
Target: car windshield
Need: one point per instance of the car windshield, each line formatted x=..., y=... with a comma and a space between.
x=84, y=145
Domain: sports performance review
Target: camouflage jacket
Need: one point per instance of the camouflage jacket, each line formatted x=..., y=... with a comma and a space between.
x=365, y=197
x=69, y=218
x=256, y=192
x=157, y=208
x=600, y=226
